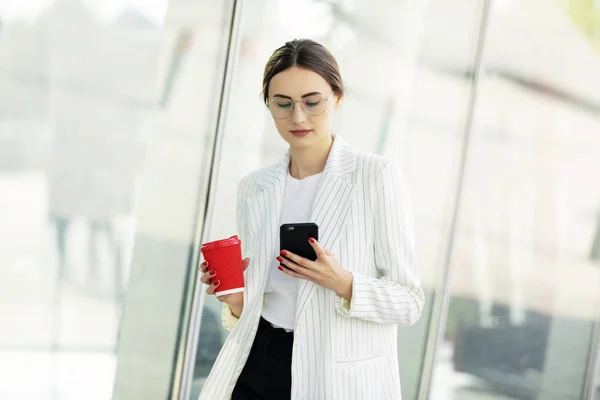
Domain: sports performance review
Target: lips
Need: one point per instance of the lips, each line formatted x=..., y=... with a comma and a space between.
x=301, y=132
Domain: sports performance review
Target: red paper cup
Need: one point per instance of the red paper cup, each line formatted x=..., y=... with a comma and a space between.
x=225, y=257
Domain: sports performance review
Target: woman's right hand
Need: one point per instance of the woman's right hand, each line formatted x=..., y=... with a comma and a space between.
x=235, y=301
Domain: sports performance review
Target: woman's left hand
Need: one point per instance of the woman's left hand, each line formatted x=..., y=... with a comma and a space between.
x=326, y=271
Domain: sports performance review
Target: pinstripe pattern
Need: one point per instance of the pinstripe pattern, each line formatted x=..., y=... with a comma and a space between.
x=342, y=350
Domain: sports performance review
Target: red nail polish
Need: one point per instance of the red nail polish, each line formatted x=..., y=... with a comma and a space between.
x=279, y=259
x=283, y=253
x=311, y=240
x=217, y=283
x=281, y=269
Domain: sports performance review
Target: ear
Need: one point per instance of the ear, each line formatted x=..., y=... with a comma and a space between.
x=338, y=101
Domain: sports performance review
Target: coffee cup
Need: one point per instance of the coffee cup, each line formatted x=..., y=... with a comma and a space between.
x=225, y=257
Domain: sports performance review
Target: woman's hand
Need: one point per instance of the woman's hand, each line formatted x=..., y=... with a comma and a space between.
x=235, y=301
x=326, y=271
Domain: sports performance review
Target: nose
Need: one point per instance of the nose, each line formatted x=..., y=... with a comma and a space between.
x=298, y=114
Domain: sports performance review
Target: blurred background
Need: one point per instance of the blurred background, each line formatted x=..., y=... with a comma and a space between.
x=125, y=126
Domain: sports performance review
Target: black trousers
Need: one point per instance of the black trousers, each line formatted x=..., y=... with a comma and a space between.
x=268, y=371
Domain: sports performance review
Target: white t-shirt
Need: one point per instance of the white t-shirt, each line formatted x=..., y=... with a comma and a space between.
x=279, y=305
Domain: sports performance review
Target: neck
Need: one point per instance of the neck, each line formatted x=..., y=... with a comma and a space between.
x=311, y=160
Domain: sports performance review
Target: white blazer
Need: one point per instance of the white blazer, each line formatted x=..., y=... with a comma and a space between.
x=342, y=350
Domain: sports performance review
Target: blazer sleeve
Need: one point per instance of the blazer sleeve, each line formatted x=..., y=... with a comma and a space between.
x=396, y=297
x=228, y=320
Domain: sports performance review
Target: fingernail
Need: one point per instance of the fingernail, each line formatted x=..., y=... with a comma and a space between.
x=217, y=283
x=205, y=263
x=283, y=253
x=279, y=259
x=281, y=269
x=213, y=272
x=311, y=240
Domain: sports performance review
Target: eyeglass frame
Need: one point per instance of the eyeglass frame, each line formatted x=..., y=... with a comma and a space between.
x=268, y=103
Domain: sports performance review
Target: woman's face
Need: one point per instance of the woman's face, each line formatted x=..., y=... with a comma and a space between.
x=301, y=129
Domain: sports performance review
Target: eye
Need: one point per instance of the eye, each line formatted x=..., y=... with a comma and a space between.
x=313, y=101
x=284, y=104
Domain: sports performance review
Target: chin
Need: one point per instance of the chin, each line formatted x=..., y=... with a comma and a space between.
x=298, y=140
x=301, y=145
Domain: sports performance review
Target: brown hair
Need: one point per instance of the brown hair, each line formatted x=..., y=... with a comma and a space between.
x=307, y=54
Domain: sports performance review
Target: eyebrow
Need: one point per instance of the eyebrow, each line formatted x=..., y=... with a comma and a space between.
x=303, y=96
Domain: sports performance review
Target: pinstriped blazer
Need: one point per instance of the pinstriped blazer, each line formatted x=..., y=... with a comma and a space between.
x=342, y=350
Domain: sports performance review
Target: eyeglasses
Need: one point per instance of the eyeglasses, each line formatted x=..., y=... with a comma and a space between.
x=313, y=105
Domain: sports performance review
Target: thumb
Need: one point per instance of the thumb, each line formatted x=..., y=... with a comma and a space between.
x=245, y=263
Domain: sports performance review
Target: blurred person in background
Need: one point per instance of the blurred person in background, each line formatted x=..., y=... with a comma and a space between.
x=91, y=177
x=324, y=329
x=98, y=105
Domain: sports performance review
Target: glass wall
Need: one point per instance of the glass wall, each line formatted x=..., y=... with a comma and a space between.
x=524, y=292
x=125, y=127
x=76, y=92
x=107, y=119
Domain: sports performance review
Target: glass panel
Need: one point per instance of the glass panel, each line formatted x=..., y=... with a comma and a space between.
x=406, y=98
x=104, y=129
x=525, y=284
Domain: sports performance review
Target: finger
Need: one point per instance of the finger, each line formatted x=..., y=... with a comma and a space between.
x=245, y=263
x=293, y=266
x=292, y=273
x=296, y=258
x=211, y=289
x=203, y=266
x=319, y=251
x=207, y=276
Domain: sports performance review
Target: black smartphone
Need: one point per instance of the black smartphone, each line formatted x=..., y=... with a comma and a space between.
x=294, y=238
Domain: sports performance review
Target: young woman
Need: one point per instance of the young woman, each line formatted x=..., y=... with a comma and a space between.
x=324, y=329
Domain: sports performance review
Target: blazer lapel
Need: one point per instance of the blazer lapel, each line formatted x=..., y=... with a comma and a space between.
x=335, y=196
x=263, y=211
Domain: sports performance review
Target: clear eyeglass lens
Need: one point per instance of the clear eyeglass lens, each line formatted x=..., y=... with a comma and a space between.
x=314, y=105
x=281, y=107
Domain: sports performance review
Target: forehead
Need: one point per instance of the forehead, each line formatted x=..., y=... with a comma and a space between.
x=296, y=81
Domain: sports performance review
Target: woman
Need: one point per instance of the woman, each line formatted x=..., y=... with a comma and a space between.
x=324, y=329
